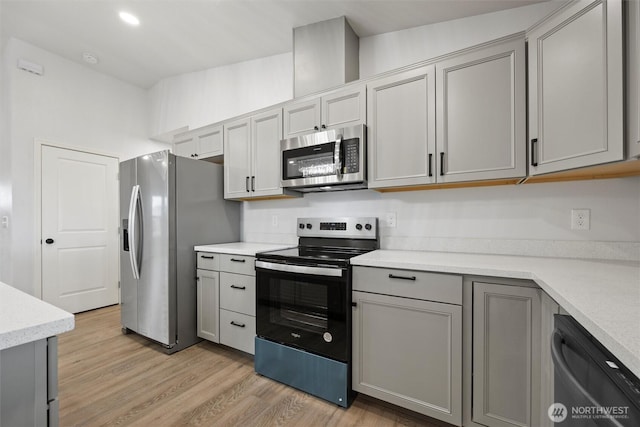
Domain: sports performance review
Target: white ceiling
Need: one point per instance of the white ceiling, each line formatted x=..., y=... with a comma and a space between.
x=179, y=36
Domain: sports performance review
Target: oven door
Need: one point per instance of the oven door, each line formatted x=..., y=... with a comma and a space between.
x=305, y=307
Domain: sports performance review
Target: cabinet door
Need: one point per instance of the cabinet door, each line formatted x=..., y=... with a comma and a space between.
x=266, y=132
x=344, y=108
x=481, y=132
x=575, y=87
x=633, y=78
x=184, y=147
x=210, y=141
x=237, y=159
x=208, y=306
x=409, y=352
x=401, y=129
x=301, y=118
x=506, y=348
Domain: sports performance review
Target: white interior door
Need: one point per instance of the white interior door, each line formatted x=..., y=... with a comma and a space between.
x=79, y=229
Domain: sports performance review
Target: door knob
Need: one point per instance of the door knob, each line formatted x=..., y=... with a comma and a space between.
x=49, y=241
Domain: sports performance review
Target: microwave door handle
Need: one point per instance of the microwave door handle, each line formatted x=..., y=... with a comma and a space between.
x=337, y=158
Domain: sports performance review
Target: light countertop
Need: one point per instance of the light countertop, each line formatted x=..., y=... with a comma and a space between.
x=604, y=296
x=24, y=318
x=241, y=248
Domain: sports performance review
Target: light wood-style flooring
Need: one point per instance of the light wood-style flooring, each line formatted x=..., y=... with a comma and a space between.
x=107, y=378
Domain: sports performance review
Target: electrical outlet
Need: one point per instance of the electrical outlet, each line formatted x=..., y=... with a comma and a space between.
x=391, y=219
x=580, y=219
x=274, y=221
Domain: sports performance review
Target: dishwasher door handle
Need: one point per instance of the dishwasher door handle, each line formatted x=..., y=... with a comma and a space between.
x=564, y=371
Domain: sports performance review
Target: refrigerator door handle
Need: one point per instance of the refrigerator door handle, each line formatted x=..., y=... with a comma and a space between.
x=133, y=249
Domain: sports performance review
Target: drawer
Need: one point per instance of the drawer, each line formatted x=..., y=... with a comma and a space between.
x=208, y=261
x=237, y=330
x=238, y=293
x=238, y=264
x=409, y=284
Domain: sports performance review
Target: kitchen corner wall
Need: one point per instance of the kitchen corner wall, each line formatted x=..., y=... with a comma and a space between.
x=71, y=105
x=530, y=219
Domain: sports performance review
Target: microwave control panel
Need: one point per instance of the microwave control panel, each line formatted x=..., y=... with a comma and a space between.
x=351, y=156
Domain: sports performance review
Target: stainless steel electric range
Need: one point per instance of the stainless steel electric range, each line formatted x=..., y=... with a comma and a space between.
x=303, y=306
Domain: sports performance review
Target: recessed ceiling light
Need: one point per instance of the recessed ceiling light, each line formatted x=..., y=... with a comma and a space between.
x=89, y=58
x=129, y=18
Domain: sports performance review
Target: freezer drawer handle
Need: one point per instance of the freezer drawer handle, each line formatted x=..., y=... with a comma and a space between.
x=240, y=325
x=238, y=260
x=242, y=288
x=206, y=256
x=393, y=276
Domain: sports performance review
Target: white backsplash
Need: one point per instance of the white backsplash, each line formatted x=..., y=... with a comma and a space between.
x=531, y=220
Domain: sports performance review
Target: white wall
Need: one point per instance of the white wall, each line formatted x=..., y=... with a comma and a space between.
x=71, y=105
x=385, y=52
x=204, y=97
x=531, y=219
x=5, y=170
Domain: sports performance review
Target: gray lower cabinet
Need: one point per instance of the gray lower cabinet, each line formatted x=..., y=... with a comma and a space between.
x=29, y=384
x=576, y=100
x=406, y=350
x=226, y=300
x=506, y=355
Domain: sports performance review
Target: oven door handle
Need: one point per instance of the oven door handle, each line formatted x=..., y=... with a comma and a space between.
x=561, y=365
x=302, y=269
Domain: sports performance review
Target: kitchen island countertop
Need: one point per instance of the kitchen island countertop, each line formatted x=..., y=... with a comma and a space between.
x=603, y=296
x=241, y=248
x=25, y=318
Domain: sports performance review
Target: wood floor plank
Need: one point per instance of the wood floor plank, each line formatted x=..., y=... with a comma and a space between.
x=110, y=379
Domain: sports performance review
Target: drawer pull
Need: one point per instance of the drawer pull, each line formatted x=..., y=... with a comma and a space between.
x=206, y=256
x=238, y=287
x=240, y=325
x=393, y=276
x=238, y=260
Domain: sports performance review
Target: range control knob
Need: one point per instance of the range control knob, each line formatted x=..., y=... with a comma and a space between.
x=301, y=226
x=368, y=227
x=358, y=226
x=309, y=226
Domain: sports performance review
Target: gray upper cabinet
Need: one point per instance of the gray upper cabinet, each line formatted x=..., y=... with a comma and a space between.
x=575, y=87
x=633, y=78
x=346, y=107
x=506, y=355
x=237, y=159
x=401, y=118
x=200, y=143
x=480, y=125
x=252, y=156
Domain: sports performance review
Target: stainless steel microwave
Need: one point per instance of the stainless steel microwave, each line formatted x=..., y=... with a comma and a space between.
x=324, y=161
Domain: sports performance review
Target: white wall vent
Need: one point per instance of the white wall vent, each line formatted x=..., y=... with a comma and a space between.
x=31, y=67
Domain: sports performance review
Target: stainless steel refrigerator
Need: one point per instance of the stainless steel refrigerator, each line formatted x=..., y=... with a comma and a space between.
x=168, y=204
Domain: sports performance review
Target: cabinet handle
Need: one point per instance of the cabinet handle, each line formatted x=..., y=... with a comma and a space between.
x=253, y=183
x=191, y=155
x=534, y=145
x=246, y=184
x=242, y=288
x=324, y=126
x=238, y=260
x=315, y=128
x=393, y=276
x=195, y=155
x=240, y=325
x=442, y=163
x=206, y=256
x=430, y=161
